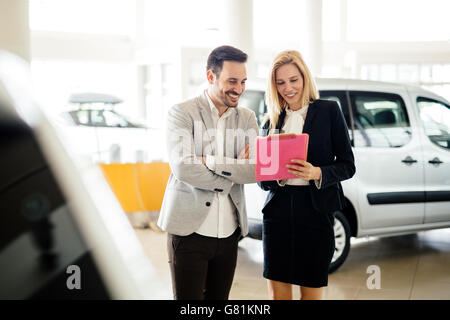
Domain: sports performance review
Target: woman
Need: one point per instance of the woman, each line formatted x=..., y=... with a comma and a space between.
x=298, y=235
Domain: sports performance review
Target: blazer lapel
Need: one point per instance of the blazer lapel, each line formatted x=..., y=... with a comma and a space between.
x=312, y=111
x=205, y=112
x=281, y=120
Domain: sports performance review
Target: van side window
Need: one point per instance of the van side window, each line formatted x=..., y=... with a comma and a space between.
x=435, y=118
x=381, y=120
x=341, y=98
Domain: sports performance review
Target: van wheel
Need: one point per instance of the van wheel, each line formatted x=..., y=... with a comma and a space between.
x=342, y=241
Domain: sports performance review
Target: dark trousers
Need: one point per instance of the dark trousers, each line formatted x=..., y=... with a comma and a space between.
x=202, y=268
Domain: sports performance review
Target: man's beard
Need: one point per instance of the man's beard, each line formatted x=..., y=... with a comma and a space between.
x=226, y=103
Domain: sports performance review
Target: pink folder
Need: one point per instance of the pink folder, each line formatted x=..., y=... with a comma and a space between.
x=273, y=153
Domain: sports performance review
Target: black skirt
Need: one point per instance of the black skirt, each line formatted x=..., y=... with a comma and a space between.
x=298, y=241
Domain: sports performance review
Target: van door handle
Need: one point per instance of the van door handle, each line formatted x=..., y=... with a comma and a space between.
x=435, y=160
x=409, y=160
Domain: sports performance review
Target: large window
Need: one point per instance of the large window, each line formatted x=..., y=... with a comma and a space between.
x=84, y=16
x=177, y=22
x=433, y=77
x=278, y=24
x=435, y=117
x=55, y=81
x=401, y=20
x=381, y=120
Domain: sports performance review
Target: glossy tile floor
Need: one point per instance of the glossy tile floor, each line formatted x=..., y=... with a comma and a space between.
x=412, y=267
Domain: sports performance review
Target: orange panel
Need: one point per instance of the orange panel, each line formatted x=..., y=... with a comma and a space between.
x=153, y=179
x=138, y=187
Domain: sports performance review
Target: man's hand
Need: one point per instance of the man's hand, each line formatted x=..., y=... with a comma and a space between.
x=202, y=159
x=245, y=153
x=305, y=170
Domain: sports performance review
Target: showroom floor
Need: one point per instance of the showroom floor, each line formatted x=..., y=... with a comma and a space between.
x=412, y=267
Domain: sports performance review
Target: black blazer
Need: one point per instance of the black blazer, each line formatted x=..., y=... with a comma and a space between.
x=329, y=148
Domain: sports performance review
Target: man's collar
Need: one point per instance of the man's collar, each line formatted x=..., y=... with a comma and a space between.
x=213, y=107
x=211, y=104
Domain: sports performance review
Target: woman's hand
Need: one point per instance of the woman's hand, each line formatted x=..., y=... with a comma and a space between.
x=304, y=170
x=245, y=153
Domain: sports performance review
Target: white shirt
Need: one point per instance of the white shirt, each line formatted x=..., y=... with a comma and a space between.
x=293, y=123
x=221, y=220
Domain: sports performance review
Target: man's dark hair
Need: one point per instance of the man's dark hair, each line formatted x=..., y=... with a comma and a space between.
x=221, y=54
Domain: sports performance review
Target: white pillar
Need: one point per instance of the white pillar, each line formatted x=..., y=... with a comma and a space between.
x=139, y=43
x=343, y=21
x=238, y=29
x=350, y=67
x=14, y=27
x=312, y=47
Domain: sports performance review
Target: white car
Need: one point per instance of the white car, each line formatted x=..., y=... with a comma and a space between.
x=401, y=141
x=95, y=130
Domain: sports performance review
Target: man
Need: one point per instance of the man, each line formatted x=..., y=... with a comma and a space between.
x=210, y=141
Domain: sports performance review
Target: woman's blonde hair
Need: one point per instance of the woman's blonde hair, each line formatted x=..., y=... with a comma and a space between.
x=275, y=102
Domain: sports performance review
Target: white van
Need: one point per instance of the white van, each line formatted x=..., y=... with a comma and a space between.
x=401, y=141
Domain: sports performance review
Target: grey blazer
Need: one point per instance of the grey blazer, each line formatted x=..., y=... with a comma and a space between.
x=191, y=186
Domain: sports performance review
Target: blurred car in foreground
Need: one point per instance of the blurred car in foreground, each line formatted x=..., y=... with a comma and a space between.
x=63, y=235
